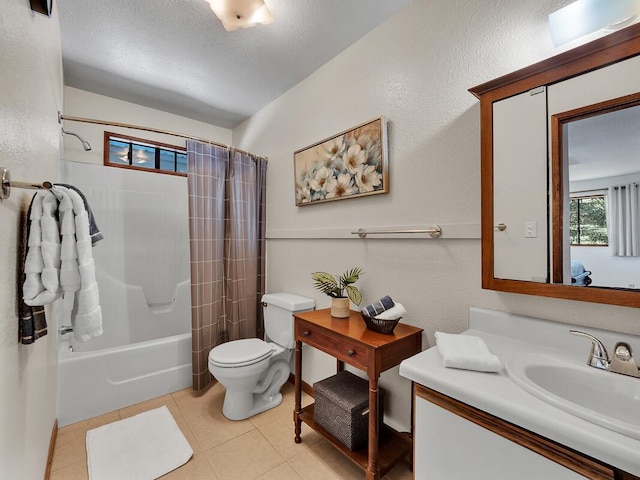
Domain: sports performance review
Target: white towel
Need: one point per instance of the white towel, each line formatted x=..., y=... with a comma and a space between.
x=393, y=313
x=77, y=272
x=41, y=285
x=56, y=266
x=466, y=352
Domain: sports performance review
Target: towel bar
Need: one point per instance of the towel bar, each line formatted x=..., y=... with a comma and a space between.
x=435, y=231
x=7, y=183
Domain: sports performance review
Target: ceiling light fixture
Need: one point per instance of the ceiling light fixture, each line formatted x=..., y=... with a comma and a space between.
x=591, y=17
x=236, y=14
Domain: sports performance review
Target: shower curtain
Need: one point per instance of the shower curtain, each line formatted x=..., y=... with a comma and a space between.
x=623, y=220
x=227, y=239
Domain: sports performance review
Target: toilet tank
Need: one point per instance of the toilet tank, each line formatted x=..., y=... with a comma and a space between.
x=278, y=316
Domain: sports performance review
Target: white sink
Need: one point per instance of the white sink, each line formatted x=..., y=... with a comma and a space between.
x=607, y=399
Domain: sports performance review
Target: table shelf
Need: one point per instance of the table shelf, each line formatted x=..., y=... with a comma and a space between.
x=393, y=446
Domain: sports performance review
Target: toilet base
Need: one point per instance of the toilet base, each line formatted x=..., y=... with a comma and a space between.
x=260, y=404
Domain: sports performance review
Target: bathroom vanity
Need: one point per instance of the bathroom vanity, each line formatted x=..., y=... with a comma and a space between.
x=470, y=424
x=351, y=342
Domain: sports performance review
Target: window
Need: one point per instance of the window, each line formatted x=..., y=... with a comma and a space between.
x=140, y=154
x=588, y=221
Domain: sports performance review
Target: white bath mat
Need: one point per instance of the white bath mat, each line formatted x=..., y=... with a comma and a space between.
x=145, y=446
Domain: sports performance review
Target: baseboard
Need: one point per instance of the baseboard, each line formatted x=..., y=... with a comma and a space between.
x=306, y=388
x=52, y=446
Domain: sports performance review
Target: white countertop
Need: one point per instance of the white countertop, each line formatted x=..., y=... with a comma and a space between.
x=497, y=394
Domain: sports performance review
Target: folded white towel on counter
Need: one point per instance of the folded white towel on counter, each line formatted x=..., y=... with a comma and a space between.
x=466, y=352
x=393, y=313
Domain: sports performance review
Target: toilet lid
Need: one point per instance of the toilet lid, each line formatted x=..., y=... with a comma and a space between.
x=239, y=353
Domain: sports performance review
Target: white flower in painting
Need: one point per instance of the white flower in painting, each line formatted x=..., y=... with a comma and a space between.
x=303, y=194
x=364, y=141
x=374, y=155
x=367, y=178
x=341, y=187
x=353, y=158
x=321, y=179
x=334, y=148
x=306, y=174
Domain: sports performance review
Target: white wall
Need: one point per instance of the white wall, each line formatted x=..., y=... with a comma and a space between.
x=415, y=69
x=80, y=103
x=31, y=86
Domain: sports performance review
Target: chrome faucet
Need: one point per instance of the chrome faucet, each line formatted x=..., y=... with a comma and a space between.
x=622, y=361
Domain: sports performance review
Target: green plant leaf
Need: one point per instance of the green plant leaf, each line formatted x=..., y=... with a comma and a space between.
x=354, y=294
x=350, y=276
x=327, y=284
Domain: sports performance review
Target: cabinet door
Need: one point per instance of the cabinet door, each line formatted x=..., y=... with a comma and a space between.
x=520, y=187
x=449, y=447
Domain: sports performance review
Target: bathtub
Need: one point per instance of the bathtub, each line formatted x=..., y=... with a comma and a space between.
x=93, y=383
x=143, y=276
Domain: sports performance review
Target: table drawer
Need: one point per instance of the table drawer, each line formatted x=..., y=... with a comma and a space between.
x=335, y=346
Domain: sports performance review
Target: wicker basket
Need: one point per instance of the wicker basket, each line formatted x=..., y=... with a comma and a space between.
x=380, y=325
x=342, y=408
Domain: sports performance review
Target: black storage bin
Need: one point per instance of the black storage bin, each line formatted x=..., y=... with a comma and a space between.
x=342, y=408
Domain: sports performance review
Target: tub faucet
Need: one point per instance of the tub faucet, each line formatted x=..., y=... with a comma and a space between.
x=64, y=329
x=622, y=361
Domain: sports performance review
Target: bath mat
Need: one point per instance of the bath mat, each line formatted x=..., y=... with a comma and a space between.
x=145, y=446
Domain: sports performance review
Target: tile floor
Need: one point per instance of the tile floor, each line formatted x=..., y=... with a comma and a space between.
x=261, y=447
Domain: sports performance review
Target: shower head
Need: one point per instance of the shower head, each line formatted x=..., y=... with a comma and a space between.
x=86, y=145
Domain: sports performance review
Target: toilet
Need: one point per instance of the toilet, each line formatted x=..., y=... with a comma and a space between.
x=252, y=370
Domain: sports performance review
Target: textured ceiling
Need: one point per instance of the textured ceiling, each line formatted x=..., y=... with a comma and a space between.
x=174, y=55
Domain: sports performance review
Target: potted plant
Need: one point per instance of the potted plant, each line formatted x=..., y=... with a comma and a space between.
x=340, y=289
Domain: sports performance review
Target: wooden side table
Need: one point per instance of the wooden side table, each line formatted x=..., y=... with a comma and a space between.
x=351, y=342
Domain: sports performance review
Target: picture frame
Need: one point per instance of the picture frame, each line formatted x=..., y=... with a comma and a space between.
x=349, y=164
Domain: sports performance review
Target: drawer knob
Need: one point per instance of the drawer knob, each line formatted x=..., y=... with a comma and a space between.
x=306, y=333
x=351, y=353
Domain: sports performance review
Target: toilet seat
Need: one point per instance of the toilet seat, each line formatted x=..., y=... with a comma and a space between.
x=240, y=353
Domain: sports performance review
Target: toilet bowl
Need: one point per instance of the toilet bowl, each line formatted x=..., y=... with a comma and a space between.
x=252, y=370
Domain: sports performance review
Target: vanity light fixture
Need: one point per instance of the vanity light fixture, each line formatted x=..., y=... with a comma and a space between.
x=236, y=14
x=591, y=17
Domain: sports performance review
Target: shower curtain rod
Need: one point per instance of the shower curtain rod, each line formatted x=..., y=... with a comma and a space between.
x=148, y=129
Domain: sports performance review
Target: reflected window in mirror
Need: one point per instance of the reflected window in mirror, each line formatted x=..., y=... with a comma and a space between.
x=588, y=221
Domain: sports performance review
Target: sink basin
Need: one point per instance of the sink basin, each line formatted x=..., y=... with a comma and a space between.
x=607, y=399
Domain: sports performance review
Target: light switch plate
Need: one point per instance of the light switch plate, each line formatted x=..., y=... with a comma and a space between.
x=530, y=229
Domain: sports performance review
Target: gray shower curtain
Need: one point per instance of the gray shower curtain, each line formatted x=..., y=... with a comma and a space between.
x=227, y=238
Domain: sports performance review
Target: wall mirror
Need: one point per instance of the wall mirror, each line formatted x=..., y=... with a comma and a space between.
x=596, y=172
x=558, y=193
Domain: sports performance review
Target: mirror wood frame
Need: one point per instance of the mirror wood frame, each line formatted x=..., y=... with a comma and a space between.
x=599, y=53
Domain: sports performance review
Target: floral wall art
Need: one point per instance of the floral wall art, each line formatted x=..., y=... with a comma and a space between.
x=350, y=164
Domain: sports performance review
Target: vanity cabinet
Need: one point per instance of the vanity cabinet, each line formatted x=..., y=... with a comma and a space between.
x=455, y=441
x=351, y=342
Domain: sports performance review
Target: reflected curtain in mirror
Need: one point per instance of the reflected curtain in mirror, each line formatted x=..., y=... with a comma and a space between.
x=227, y=238
x=624, y=220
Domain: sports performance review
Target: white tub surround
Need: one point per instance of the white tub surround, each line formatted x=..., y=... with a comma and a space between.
x=509, y=336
